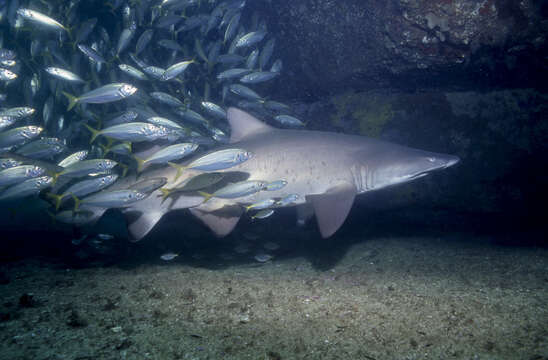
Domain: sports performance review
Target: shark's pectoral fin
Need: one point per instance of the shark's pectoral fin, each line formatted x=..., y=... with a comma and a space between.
x=332, y=207
x=140, y=223
x=221, y=223
x=304, y=213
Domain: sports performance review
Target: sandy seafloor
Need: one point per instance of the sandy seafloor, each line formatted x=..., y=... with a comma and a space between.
x=456, y=297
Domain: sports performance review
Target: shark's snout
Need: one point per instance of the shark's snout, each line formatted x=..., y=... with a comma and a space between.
x=452, y=160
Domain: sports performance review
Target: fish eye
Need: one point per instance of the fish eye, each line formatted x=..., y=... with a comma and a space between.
x=431, y=159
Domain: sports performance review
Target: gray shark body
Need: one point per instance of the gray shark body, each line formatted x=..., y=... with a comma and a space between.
x=325, y=170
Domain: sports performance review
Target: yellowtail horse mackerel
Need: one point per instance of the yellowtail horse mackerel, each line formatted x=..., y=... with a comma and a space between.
x=324, y=170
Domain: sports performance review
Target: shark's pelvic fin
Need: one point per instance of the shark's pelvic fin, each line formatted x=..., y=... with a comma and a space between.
x=332, y=207
x=140, y=224
x=220, y=225
x=243, y=125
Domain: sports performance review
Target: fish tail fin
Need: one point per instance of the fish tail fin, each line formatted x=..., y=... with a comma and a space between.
x=125, y=169
x=105, y=148
x=165, y=193
x=179, y=168
x=94, y=132
x=140, y=163
x=56, y=198
x=206, y=196
x=77, y=202
x=73, y=100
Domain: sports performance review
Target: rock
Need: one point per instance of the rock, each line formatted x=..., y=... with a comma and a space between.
x=327, y=45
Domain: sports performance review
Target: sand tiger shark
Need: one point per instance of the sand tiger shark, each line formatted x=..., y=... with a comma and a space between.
x=325, y=170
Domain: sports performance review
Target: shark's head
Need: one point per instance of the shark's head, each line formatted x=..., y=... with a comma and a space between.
x=399, y=165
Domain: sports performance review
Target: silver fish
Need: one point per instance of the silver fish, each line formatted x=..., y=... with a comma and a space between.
x=18, y=112
x=250, y=39
x=40, y=18
x=73, y=158
x=6, y=75
x=42, y=148
x=64, y=74
x=258, y=77
x=170, y=153
x=84, y=188
x=263, y=214
x=104, y=94
x=20, y=173
x=166, y=98
x=176, y=69
x=288, y=120
x=27, y=188
x=133, y=72
x=18, y=136
x=233, y=73
x=238, y=189
x=111, y=199
x=214, y=109
x=86, y=167
x=244, y=91
x=133, y=132
x=275, y=185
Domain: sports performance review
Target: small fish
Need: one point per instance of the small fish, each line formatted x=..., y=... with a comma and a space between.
x=250, y=39
x=166, y=99
x=40, y=18
x=6, y=163
x=266, y=53
x=276, y=106
x=20, y=173
x=232, y=27
x=263, y=257
x=233, y=73
x=252, y=59
x=289, y=120
x=18, y=136
x=132, y=132
x=7, y=75
x=263, y=214
x=214, y=109
x=149, y=185
x=93, y=55
x=42, y=148
x=277, y=66
x=170, y=153
x=258, y=77
x=6, y=121
x=216, y=160
x=287, y=200
x=27, y=188
x=73, y=158
x=236, y=190
x=125, y=38
x=105, y=237
x=64, y=74
x=86, y=167
x=110, y=199
x=143, y=41
x=161, y=121
x=83, y=188
x=154, y=72
x=168, y=256
x=244, y=91
x=261, y=204
x=275, y=185
x=104, y=94
x=120, y=149
x=195, y=183
x=191, y=116
x=175, y=70
x=18, y=112
x=133, y=72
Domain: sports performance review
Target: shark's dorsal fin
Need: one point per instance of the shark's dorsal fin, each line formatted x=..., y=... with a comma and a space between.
x=243, y=124
x=332, y=207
